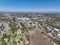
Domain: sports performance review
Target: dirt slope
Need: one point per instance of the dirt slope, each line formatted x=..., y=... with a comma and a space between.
x=39, y=39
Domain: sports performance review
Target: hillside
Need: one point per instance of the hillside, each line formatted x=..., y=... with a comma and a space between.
x=39, y=39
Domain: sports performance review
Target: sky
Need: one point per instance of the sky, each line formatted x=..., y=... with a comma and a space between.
x=30, y=5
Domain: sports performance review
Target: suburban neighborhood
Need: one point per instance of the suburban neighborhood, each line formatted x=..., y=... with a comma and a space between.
x=24, y=30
